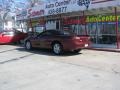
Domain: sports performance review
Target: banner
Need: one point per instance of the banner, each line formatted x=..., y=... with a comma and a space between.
x=65, y=6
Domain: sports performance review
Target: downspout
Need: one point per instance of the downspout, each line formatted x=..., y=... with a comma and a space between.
x=85, y=23
x=116, y=27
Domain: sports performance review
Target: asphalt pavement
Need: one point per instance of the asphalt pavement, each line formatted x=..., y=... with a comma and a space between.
x=42, y=70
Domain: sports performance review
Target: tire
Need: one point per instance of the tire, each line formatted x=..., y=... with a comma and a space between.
x=57, y=48
x=77, y=51
x=28, y=45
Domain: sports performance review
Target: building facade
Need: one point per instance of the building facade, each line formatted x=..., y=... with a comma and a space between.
x=100, y=19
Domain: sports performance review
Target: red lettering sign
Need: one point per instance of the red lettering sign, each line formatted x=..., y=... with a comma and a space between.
x=70, y=21
x=35, y=13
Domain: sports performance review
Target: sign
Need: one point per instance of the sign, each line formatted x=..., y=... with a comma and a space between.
x=108, y=18
x=65, y=6
x=32, y=13
x=91, y=19
x=37, y=22
x=70, y=21
x=84, y=2
x=57, y=7
x=36, y=11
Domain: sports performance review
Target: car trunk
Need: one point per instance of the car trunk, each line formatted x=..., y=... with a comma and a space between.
x=83, y=41
x=84, y=38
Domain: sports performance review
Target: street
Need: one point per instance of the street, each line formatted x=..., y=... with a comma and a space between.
x=42, y=70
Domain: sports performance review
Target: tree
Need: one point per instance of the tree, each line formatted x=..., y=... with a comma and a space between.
x=8, y=8
x=5, y=9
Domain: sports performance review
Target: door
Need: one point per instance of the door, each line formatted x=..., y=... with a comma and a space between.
x=44, y=40
x=92, y=31
x=6, y=37
x=35, y=42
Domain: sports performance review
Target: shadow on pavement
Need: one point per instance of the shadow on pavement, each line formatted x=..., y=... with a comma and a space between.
x=33, y=52
x=46, y=52
x=6, y=50
x=3, y=51
x=15, y=59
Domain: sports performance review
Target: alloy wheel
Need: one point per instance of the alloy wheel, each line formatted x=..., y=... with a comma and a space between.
x=28, y=45
x=57, y=48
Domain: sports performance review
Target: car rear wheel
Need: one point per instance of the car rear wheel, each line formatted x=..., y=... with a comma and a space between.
x=57, y=48
x=28, y=45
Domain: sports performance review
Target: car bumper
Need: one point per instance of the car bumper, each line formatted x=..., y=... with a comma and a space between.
x=75, y=46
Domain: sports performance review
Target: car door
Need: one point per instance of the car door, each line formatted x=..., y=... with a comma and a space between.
x=6, y=37
x=42, y=40
x=35, y=41
x=45, y=39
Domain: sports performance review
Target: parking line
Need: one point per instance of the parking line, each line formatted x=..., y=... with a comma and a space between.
x=16, y=59
x=7, y=50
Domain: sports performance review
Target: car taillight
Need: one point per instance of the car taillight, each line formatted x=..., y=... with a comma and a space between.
x=77, y=38
x=89, y=38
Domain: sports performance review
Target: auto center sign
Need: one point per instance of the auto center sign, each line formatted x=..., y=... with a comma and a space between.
x=57, y=7
x=64, y=6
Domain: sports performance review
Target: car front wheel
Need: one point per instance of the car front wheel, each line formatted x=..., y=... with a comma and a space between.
x=28, y=45
x=57, y=48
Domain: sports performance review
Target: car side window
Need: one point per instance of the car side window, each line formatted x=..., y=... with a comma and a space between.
x=49, y=33
x=45, y=34
x=56, y=33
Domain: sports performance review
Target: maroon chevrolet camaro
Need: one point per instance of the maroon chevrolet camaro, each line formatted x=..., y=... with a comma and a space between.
x=58, y=41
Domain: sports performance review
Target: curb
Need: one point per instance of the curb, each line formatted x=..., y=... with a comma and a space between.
x=105, y=49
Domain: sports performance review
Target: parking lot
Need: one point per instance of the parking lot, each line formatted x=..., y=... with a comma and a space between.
x=42, y=70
